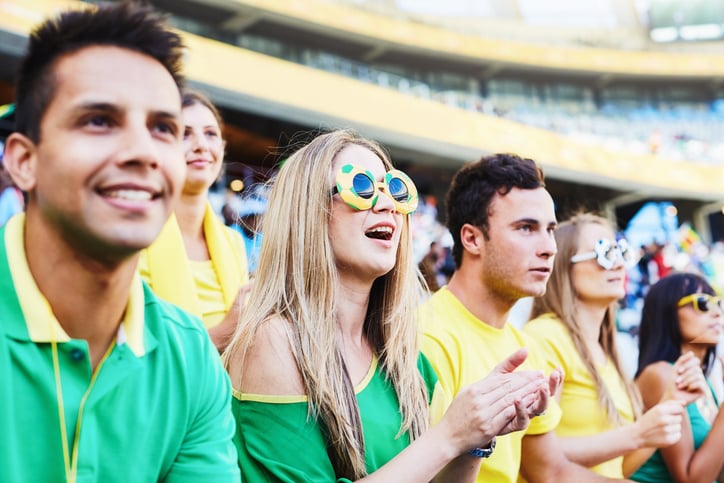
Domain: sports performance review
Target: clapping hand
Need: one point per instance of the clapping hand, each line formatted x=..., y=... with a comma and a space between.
x=688, y=382
x=501, y=403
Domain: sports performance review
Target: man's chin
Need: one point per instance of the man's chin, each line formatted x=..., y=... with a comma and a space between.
x=118, y=248
x=534, y=292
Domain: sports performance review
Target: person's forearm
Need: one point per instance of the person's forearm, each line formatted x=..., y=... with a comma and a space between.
x=569, y=473
x=425, y=459
x=706, y=462
x=461, y=469
x=544, y=461
x=597, y=448
x=633, y=460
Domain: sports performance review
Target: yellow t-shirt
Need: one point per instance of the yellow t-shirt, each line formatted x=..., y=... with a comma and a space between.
x=463, y=349
x=208, y=290
x=582, y=414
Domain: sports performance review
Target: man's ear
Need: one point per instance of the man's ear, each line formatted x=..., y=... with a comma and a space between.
x=21, y=161
x=471, y=238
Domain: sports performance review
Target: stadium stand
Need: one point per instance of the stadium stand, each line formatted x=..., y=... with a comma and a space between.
x=614, y=125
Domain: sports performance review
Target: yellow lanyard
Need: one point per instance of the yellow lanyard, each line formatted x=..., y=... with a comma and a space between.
x=71, y=467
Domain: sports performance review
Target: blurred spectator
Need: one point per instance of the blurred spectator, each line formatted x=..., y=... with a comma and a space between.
x=430, y=266
x=643, y=266
x=655, y=141
x=11, y=198
x=249, y=225
x=658, y=265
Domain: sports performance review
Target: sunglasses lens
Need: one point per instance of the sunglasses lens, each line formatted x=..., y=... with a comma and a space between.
x=626, y=252
x=363, y=186
x=398, y=190
x=702, y=304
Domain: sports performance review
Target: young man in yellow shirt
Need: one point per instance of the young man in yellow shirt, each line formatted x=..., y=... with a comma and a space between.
x=502, y=219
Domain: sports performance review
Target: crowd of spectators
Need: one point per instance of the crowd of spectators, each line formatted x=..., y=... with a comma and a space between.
x=684, y=130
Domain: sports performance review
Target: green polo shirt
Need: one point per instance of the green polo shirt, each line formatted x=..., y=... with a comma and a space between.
x=156, y=409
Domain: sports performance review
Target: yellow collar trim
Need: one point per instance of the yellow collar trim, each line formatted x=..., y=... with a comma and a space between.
x=169, y=269
x=274, y=399
x=41, y=323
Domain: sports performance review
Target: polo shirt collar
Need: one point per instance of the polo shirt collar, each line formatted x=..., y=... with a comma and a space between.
x=42, y=325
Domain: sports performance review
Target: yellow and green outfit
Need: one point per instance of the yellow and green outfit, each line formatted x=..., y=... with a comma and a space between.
x=204, y=288
x=277, y=440
x=463, y=349
x=582, y=413
x=155, y=409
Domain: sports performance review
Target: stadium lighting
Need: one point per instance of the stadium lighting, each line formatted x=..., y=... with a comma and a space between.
x=236, y=185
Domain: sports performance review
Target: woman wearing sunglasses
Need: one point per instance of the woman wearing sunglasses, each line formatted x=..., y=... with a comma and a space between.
x=574, y=323
x=681, y=314
x=328, y=381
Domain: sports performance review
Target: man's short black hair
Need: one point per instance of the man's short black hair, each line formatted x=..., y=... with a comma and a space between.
x=473, y=187
x=126, y=24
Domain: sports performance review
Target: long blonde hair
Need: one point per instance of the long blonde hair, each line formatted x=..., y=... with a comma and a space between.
x=560, y=299
x=296, y=280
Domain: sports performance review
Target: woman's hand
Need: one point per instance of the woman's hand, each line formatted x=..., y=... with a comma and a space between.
x=688, y=382
x=660, y=426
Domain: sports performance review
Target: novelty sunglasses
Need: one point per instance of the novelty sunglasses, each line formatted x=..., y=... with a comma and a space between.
x=607, y=253
x=702, y=302
x=358, y=188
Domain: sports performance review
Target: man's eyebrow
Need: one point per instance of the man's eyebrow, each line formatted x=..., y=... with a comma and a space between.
x=98, y=106
x=526, y=221
x=111, y=108
x=534, y=222
x=173, y=117
x=168, y=114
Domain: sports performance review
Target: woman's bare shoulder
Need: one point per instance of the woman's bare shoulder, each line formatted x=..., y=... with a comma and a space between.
x=653, y=381
x=269, y=367
x=657, y=371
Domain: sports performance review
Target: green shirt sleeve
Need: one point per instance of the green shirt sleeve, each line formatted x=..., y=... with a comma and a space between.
x=207, y=453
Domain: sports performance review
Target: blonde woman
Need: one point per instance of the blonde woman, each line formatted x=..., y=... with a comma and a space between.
x=329, y=383
x=197, y=262
x=574, y=324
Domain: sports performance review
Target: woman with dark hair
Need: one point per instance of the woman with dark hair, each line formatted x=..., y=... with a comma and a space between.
x=682, y=314
x=197, y=262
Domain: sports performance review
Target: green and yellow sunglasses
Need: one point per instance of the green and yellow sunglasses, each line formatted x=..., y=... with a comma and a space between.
x=357, y=187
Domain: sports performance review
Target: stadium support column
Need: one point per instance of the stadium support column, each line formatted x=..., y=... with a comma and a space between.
x=701, y=221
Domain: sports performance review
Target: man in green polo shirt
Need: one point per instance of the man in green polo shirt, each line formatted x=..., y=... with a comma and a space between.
x=101, y=381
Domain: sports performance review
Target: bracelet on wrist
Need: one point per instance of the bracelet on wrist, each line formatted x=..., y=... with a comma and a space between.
x=483, y=452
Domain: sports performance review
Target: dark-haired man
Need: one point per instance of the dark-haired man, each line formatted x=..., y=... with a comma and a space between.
x=502, y=219
x=101, y=380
